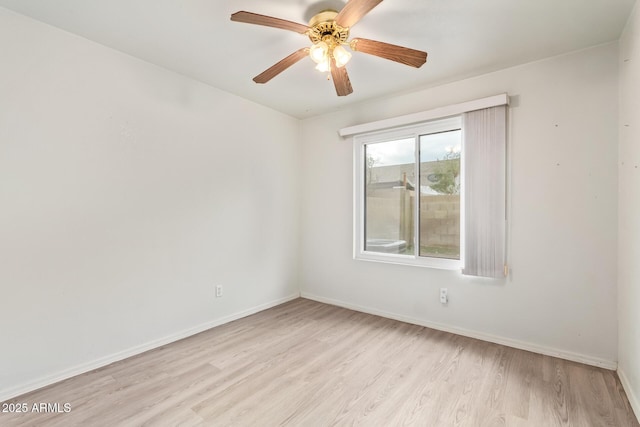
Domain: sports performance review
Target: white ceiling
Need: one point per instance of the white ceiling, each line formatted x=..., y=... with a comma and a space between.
x=463, y=38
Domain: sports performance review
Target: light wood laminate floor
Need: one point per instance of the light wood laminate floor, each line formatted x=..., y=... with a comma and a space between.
x=309, y=364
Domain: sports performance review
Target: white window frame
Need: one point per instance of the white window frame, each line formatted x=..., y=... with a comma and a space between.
x=410, y=131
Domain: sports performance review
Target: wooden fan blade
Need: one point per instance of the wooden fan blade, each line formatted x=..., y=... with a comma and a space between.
x=340, y=79
x=268, y=21
x=403, y=55
x=279, y=67
x=354, y=10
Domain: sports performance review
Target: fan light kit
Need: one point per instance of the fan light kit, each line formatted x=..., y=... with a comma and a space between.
x=329, y=33
x=327, y=38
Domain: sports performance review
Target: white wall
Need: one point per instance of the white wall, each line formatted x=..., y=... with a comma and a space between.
x=561, y=297
x=126, y=193
x=629, y=211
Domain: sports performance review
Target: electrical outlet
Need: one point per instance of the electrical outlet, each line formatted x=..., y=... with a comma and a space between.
x=218, y=291
x=444, y=297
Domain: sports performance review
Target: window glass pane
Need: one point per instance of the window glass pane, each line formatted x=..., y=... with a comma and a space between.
x=440, y=195
x=389, y=196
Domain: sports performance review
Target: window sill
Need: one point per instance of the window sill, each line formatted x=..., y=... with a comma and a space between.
x=437, y=263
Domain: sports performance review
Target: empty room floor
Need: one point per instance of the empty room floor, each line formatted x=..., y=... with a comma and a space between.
x=305, y=363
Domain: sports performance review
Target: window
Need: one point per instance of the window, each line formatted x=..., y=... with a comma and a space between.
x=434, y=193
x=409, y=185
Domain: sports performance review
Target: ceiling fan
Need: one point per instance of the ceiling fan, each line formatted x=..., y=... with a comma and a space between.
x=329, y=33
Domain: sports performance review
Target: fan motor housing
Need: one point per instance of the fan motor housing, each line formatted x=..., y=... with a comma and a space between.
x=323, y=27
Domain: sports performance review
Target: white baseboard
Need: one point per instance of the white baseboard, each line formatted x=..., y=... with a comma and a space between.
x=522, y=345
x=21, y=389
x=631, y=395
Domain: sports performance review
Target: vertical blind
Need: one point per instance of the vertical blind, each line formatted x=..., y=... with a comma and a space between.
x=484, y=142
